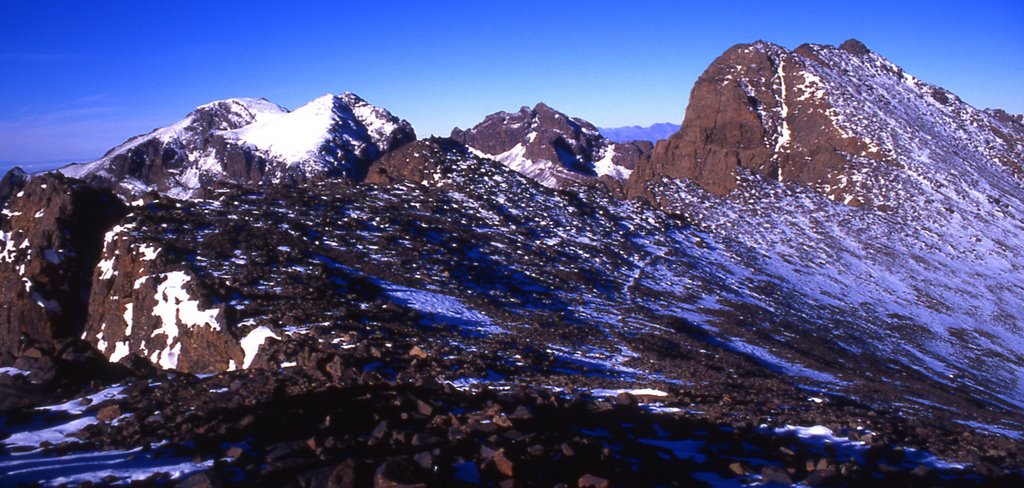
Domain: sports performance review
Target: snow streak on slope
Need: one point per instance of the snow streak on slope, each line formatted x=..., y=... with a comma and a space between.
x=928, y=270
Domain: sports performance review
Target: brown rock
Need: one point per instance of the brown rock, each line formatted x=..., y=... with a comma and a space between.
x=740, y=469
x=52, y=234
x=108, y=413
x=563, y=148
x=591, y=481
x=417, y=353
x=204, y=479
x=343, y=476
x=740, y=117
x=399, y=473
x=776, y=474
x=504, y=465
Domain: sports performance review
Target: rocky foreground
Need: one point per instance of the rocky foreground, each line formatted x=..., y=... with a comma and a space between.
x=375, y=414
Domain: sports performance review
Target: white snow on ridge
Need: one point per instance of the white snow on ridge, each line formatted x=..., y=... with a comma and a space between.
x=606, y=166
x=929, y=271
x=295, y=136
x=174, y=304
x=252, y=342
x=378, y=125
x=542, y=171
x=239, y=112
x=635, y=392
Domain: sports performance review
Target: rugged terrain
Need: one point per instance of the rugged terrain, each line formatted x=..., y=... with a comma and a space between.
x=807, y=297
x=553, y=148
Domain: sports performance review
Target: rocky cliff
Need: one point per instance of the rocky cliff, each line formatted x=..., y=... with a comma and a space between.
x=823, y=116
x=51, y=232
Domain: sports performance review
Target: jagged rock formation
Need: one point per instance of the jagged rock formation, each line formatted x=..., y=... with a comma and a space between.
x=50, y=234
x=12, y=183
x=251, y=141
x=829, y=117
x=146, y=301
x=552, y=148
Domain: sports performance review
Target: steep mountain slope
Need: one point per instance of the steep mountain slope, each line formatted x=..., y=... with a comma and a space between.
x=652, y=133
x=251, y=141
x=552, y=148
x=844, y=120
x=899, y=207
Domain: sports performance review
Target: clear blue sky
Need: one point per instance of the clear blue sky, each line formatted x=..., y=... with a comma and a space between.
x=77, y=78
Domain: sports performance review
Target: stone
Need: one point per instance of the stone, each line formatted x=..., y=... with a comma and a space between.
x=108, y=413
x=776, y=474
x=503, y=464
x=723, y=131
x=399, y=473
x=591, y=481
x=53, y=233
x=417, y=353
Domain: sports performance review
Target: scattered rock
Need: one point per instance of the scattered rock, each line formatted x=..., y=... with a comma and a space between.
x=591, y=481
x=108, y=413
x=399, y=473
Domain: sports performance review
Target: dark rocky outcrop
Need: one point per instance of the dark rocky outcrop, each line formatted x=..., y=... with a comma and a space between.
x=145, y=303
x=425, y=161
x=12, y=183
x=52, y=235
x=56, y=370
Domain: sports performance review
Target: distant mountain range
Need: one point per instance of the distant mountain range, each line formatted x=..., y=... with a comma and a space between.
x=652, y=133
x=816, y=279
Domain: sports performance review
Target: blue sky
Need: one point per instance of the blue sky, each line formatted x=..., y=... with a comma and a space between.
x=77, y=78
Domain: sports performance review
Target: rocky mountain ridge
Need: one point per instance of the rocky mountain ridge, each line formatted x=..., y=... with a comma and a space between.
x=839, y=119
x=251, y=141
x=552, y=148
x=429, y=309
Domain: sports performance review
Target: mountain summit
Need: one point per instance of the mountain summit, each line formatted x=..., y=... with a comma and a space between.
x=251, y=141
x=551, y=147
x=843, y=120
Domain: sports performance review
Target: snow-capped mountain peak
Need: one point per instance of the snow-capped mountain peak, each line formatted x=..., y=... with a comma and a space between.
x=251, y=140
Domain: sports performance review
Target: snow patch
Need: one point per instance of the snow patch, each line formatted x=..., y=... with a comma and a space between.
x=174, y=305
x=251, y=344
